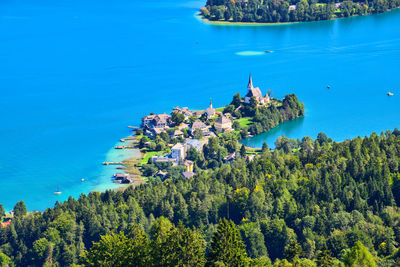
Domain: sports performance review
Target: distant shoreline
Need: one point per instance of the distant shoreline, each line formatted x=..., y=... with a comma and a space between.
x=232, y=23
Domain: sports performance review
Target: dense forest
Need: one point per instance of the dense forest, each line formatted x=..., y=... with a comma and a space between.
x=305, y=203
x=291, y=11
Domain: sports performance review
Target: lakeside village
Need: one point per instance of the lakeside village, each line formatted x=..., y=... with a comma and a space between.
x=184, y=142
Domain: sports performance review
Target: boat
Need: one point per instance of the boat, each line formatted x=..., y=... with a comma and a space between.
x=328, y=87
x=82, y=180
x=58, y=192
x=267, y=51
x=390, y=94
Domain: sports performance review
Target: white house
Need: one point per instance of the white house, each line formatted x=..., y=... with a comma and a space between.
x=178, y=152
x=223, y=124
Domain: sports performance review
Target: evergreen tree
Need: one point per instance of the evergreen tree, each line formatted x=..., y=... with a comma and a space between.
x=293, y=251
x=243, y=151
x=227, y=246
x=20, y=209
x=324, y=258
x=236, y=101
x=2, y=212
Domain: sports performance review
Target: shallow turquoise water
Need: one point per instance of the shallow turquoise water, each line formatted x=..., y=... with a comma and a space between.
x=74, y=74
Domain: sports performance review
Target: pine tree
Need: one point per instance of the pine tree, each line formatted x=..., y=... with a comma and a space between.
x=2, y=212
x=184, y=247
x=293, y=251
x=20, y=209
x=264, y=147
x=324, y=258
x=243, y=151
x=227, y=246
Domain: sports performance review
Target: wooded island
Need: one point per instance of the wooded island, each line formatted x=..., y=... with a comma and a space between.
x=279, y=11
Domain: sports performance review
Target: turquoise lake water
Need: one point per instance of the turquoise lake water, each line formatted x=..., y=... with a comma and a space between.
x=74, y=74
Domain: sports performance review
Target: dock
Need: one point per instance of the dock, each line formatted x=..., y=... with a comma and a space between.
x=133, y=127
x=127, y=138
x=112, y=163
x=121, y=168
x=124, y=147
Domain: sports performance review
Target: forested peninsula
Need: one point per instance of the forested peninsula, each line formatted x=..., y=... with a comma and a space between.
x=279, y=11
x=305, y=203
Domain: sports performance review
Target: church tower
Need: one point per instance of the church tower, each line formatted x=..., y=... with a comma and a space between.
x=250, y=84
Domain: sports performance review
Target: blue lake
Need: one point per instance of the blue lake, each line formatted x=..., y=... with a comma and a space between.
x=74, y=74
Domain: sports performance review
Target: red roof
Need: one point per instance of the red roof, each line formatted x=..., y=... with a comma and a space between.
x=6, y=223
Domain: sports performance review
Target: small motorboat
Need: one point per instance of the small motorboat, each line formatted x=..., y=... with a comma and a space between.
x=329, y=87
x=268, y=51
x=58, y=192
x=83, y=179
x=390, y=94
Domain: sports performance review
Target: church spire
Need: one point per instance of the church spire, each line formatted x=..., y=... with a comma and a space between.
x=250, y=84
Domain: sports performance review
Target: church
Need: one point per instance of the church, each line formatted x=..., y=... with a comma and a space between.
x=256, y=92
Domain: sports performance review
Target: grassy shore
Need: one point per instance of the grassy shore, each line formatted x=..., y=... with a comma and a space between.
x=232, y=23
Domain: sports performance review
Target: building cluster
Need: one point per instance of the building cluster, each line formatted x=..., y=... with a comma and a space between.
x=157, y=123
x=178, y=155
x=205, y=121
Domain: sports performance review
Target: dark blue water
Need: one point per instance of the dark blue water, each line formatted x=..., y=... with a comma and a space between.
x=74, y=74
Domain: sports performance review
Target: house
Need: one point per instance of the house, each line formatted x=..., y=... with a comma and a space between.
x=223, y=124
x=250, y=157
x=146, y=121
x=176, y=133
x=255, y=92
x=292, y=7
x=209, y=134
x=178, y=152
x=189, y=165
x=199, y=125
x=337, y=5
x=183, y=126
x=123, y=178
x=6, y=222
x=188, y=175
x=197, y=113
x=160, y=121
x=163, y=159
x=198, y=145
x=158, y=130
x=210, y=112
x=230, y=158
x=160, y=174
x=185, y=111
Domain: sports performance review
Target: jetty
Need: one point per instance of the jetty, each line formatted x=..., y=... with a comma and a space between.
x=112, y=163
x=124, y=147
x=127, y=138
